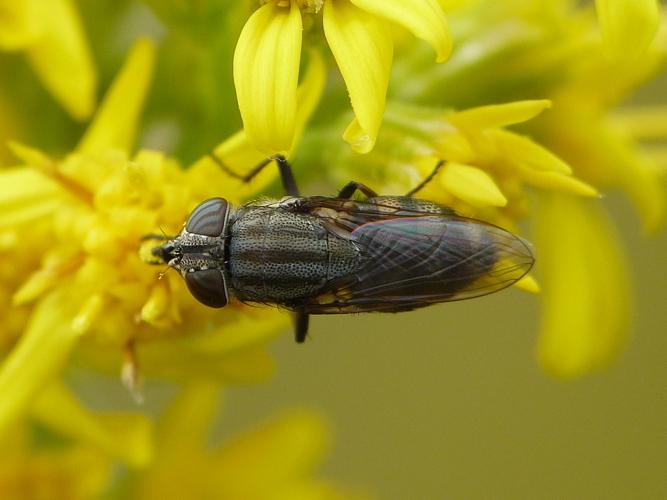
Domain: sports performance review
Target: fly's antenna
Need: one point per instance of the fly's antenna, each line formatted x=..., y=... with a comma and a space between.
x=428, y=179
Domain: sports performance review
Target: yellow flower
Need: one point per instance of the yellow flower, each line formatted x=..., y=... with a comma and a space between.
x=586, y=320
x=83, y=219
x=268, y=53
x=487, y=168
x=272, y=461
x=551, y=49
x=52, y=37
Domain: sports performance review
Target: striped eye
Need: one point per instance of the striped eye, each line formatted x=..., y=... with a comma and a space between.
x=208, y=287
x=209, y=218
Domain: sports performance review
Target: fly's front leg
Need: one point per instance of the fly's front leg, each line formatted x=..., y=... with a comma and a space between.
x=286, y=174
x=353, y=186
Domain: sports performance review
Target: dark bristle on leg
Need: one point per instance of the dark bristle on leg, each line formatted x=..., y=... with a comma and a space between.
x=300, y=327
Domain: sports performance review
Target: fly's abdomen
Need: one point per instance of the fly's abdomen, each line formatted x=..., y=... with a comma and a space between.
x=278, y=256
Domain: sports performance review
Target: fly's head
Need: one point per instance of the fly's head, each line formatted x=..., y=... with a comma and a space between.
x=198, y=252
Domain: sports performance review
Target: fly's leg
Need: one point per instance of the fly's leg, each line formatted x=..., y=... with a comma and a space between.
x=286, y=174
x=300, y=326
x=352, y=187
x=428, y=179
x=244, y=178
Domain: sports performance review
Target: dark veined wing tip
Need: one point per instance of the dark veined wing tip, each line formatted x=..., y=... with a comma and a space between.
x=448, y=260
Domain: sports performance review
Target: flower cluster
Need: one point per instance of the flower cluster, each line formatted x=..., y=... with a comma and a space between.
x=83, y=282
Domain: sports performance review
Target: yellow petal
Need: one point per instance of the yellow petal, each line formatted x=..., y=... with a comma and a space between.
x=638, y=177
x=555, y=181
x=628, y=26
x=26, y=195
x=299, y=438
x=123, y=436
x=61, y=58
x=471, y=185
x=185, y=425
x=424, y=18
x=233, y=352
x=499, y=115
x=642, y=122
x=309, y=93
x=522, y=150
x=38, y=356
x=363, y=48
x=89, y=312
x=115, y=123
x=156, y=306
x=178, y=471
x=238, y=154
x=585, y=294
x=31, y=157
x=20, y=22
x=528, y=284
x=266, y=73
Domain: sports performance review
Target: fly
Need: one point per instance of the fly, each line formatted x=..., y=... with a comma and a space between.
x=338, y=255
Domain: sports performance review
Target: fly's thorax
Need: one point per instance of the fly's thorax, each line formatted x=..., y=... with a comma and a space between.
x=276, y=255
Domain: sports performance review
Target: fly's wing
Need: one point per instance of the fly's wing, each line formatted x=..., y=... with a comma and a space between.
x=412, y=259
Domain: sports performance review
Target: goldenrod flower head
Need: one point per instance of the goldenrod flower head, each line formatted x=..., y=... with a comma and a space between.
x=268, y=54
x=52, y=37
x=84, y=218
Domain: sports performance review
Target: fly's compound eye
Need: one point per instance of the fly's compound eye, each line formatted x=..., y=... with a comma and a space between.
x=209, y=218
x=208, y=287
